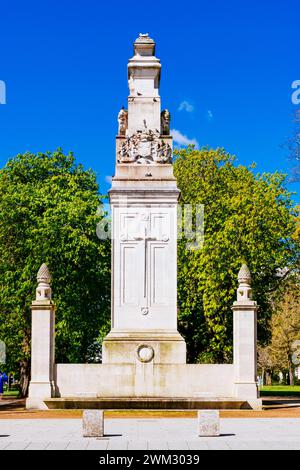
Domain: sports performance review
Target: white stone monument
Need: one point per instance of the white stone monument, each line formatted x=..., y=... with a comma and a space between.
x=144, y=199
x=144, y=356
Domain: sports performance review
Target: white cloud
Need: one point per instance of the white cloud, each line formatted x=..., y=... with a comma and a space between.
x=108, y=179
x=182, y=139
x=186, y=106
x=209, y=115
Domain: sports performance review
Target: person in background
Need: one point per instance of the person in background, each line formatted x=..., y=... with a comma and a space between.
x=3, y=380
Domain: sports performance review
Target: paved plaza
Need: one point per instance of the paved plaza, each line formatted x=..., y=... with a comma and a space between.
x=149, y=434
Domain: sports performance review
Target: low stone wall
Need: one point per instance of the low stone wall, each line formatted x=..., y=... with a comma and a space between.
x=144, y=380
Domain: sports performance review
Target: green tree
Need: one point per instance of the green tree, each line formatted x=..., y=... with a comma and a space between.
x=247, y=217
x=285, y=330
x=293, y=147
x=297, y=231
x=266, y=364
x=48, y=213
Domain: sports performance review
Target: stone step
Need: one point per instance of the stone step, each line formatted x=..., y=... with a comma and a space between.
x=146, y=403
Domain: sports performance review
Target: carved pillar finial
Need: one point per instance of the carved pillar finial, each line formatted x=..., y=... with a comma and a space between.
x=244, y=291
x=43, y=291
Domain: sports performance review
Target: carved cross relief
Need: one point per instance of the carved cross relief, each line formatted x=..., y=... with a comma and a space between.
x=144, y=239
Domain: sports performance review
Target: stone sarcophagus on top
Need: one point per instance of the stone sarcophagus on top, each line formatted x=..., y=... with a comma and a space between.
x=144, y=198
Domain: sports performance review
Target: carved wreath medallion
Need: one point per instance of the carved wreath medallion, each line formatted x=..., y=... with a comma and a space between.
x=145, y=353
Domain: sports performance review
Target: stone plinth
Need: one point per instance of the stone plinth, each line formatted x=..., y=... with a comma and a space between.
x=93, y=423
x=121, y=347
x=208, y=423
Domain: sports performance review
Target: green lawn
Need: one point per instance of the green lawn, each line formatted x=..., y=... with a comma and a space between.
x=280, y=390
x=12, y=393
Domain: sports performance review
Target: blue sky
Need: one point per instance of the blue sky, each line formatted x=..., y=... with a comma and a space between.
x=227, y=72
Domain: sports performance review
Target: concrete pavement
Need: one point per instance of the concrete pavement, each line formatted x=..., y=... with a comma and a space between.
x=149, y=434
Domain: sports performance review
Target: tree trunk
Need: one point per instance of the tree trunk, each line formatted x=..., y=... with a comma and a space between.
x=268, y=378
x=25, y=362
x=291, y=374
x=24, y=378
x=263, y=376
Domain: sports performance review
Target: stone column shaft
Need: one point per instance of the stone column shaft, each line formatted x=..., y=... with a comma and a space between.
x=42, y=345
x=245, y=351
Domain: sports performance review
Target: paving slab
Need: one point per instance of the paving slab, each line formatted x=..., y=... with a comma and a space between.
x=58, y=445
x=217, y=444
x=18, y=445
x=117, y=444
x=142, y=434
x=178, y=445
x=37, y=445
x=4, y=443
x=137, y=445
x=78, y=445
x=198, y=444
x=157, y=445
x=98, y=444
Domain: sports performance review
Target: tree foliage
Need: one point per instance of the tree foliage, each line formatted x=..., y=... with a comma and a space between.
x=48, y=213
x=285, y=331
x=297, y=231
x=248, y=218
x=265, y=364
x=293, y=148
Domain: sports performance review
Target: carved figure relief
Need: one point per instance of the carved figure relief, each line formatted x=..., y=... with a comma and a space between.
x=165, y=122
x=123, y=121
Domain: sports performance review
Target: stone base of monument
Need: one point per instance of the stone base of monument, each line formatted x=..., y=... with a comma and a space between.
x=93, y=423
x=166, y=347
x=36, y=391
x=161, y=403
x=146, y=385
x=208, y=423
x=36, y=404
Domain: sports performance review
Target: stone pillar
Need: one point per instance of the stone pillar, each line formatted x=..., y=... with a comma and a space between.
x=42, y=343
x=245, y=338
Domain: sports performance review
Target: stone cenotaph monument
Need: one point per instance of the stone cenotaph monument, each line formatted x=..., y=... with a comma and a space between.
x=143, y=201
x=143, y=356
